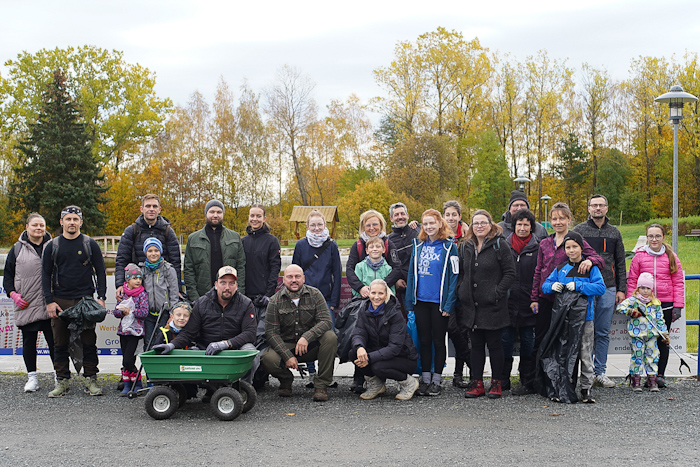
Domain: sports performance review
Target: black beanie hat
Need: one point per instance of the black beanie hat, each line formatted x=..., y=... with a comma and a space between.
x=518, y=195
x=575, y=237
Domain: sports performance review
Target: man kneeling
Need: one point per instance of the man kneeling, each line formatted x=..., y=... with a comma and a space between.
x=298, y=329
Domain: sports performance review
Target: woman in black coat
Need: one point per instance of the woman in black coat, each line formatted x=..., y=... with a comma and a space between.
x=488, y=273
x=381, y=346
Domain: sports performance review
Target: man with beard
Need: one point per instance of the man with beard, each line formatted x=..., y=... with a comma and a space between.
x=298, y=329
x=209, y=249
x=606, y=240
x=222, y=319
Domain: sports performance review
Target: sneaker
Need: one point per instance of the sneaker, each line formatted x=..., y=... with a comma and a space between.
x=320, y=395
x=522, y=391
x=408, y=387
x=62, y=388
x=375, y=387
x=422, y=389
x=433, y=389
x=91, y=387
x=32, y=382
x=661, y=381
x=653, y=383
x=476, y=389
x=603, y=380
x=458, y=381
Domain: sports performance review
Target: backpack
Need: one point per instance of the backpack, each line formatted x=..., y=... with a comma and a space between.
x=137, y=234
x=86, y=248
x=361, y=248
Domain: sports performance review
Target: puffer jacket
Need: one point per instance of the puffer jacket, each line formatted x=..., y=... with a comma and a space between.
x=384, y=337
x=519, y=300
x=484, y=285
x=210, y=322
x=262, y=261
x=23, y=275
x=161, y=287
x=667, y=287
x=643, y=327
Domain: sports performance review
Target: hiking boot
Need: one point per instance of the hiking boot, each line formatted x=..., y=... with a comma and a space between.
x=505, y=384
x=62, y=388
x=285, y=389
x=586, y=396
x=653, y=383
x=92, y=388
x=32, y=382
x=422, y=389
x=476, y=389
x=408, y=387
x=603, y=380
x=375, y=387
x=522, y=391
x=458, y=378
x=495, y=389
x=433, y=389
x=636, y=382
x=320, y=395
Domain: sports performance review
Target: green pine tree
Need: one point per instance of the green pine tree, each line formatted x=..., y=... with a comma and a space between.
x=57, y=167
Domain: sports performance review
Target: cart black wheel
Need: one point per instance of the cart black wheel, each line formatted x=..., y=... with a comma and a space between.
x=227, y=403
x=132, y=395
x=248, y=393
x=161, y=402
x=181, y=391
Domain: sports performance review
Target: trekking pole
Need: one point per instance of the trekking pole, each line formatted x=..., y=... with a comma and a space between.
x=655, y=326
x=132, y=394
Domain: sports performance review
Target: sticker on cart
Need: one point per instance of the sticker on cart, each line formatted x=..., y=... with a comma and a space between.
x=190, y=369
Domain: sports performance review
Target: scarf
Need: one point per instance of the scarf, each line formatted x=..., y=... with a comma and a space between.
x=153, y=266
x=173, y=328
x=375, y=266
x=519, y=243
x=376, y=312
x=133, y=292
x=642, y=298
x=458, y=234
x=316, y=240
x=648, y=249
x=365, y=237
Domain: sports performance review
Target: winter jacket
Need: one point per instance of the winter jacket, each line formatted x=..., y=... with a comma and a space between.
x=549, y=256
x=262, y=261
x=131, y=249
x=450, y=275
x=642, y=327
x=519, y=300
x=161, y=286
x=391, y=255
x=607, y=242
x=590, y=285
x=507, y=226
x=198, y=278
x=23, y=275
x=366, y=274
x=486, y=279
x=210, y=322
x=140, y=313
x=325, y=273
x=383, y=337
x=667, y=287
x=402, y=238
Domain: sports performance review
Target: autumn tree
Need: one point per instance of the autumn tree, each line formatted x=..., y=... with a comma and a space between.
x=508, y=112
x=491, y=182
x=57, y=166
x=597, y=95
x=572, y=170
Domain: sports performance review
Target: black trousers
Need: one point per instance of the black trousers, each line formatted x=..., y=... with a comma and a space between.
x=30, y=334
x=129, y=344
x=432, y=329
x=480, y=339
x=397, y=368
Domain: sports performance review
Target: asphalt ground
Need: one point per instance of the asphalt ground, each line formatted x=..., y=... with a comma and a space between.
x=622, y=427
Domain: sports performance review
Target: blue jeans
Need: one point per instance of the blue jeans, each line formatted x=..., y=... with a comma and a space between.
x=527, y=340
x=604, y=309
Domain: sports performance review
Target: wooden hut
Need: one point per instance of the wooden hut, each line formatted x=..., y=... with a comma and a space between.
x=299, y=214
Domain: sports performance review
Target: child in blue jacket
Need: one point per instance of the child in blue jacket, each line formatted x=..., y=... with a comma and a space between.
x=591, y=284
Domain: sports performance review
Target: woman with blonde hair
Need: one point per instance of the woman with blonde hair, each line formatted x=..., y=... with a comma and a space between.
x=431, y=293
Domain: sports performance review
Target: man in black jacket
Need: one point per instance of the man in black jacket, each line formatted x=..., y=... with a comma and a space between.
x=222, y=319
x=402, y=237
x=149, y=224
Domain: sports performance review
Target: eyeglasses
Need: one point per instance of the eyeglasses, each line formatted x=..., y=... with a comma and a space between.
x=597, y=206
x=480, y=224
x=654, y=237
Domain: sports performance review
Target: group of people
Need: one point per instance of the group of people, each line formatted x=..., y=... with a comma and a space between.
x=483, y=284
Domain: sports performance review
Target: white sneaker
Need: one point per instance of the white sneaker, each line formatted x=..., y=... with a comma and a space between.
x=604, y=381
x=32, y=383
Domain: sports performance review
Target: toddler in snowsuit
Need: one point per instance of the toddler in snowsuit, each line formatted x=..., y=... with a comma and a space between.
x=645, y=323
x=132, y=311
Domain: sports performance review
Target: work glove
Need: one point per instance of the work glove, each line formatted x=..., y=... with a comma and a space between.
x=164, y=348
x=665, y=339
x=557, y=286
x=21, y=304
x=261, y=301
x=675, y=313
x=216, y=347
x=571, y=286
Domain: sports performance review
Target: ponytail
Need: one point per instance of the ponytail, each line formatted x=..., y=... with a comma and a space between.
x=672, y=263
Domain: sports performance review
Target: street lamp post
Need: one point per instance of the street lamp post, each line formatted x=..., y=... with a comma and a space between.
x=675, y=99
x=546, y=199
x=522, y=180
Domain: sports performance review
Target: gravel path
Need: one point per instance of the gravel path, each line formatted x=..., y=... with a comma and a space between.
x=448, y=430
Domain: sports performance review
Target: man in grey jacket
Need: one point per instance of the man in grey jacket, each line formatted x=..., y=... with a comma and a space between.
x=606, y=240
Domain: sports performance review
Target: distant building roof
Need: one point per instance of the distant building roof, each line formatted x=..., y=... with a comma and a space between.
x=299, y=213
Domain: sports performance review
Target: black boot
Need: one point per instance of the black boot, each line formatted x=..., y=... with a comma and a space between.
x=527, y=377
x=458, y=378
x=507, y=368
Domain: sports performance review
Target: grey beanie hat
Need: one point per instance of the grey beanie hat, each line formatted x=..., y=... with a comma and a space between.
x=211, y=204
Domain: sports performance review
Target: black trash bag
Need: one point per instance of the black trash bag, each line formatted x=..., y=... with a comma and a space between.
x=345, y=325
x=83, y=315
x=557, y=357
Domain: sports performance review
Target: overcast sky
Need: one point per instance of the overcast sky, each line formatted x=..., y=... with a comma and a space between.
x=190, y=44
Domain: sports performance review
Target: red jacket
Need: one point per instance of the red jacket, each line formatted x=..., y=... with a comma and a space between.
x=667, y=287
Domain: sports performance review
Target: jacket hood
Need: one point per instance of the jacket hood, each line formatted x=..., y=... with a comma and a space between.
x=24, y=237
